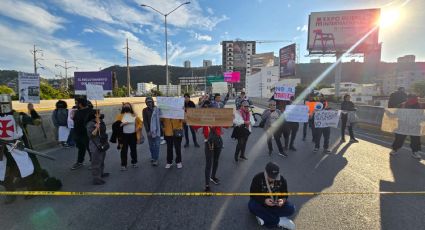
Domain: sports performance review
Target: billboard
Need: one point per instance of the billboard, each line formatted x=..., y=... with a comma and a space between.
x=239, y=54
x=103, y=78
x=337, y=31
x=261, y=60
x=287, y=61
x=232, y=77
x=29, y=87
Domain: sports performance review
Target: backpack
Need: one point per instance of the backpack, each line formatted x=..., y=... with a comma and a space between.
x=61, y=117
x=214, y=140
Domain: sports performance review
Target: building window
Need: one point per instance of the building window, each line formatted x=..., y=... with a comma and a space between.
x=247, y=63
x=229, y=54
x=230, y=50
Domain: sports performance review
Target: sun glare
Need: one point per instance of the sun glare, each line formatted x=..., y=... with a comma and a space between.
x=389, y=17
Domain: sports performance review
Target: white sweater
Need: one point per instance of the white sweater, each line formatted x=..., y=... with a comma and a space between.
x=238, y=120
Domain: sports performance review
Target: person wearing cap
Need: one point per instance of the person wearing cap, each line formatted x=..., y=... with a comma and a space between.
x=243, y=122
x=189, y=104
x=274, y=210
x=153, y=129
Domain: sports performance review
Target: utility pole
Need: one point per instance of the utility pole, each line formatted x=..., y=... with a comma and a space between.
x=128, y=69
x=34, y=53
x=66, y=67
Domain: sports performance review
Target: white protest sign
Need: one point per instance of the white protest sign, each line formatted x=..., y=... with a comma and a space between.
x=296, y=113
x=284, y=92
x=219, y=87
x=404, y=121
x=171, y=107
x=94, y=92
x=29, y=87
x=326, y=118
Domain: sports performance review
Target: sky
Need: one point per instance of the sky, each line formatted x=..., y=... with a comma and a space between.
x=91, y=34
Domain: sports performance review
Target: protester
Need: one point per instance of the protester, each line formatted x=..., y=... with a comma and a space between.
x=243, y=122
x=271, y=211
x=60, y=121
x=213, y=145
x=70, y=122
x=131, y=136
x=270, y=117
x=319, y=132
x=397, y=98
x=348, y=118
x=189, y=104
x=415, y=141
x=153, y=129
x=81, y=138
x=290, y=130
x=242, y=97
x=98, y=144
x=310, y=103
x=173, y=134
x=217, y=102
x=31, y=111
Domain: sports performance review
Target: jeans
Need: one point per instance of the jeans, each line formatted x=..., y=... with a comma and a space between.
x=326, y=132
x=211, y=160
x=241, y=146
x=82, y=142
x=154, y=143
x=270, y=215
x=290, y=130
x=344, y=118
x=175, y=142
x=310, y=123
x=276, y=136
x=129, y=140
x=415, y=142
x=186, y=134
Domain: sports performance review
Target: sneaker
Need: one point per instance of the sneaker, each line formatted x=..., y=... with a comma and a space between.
x=292, y=148
x=154, y=163
x=326, y=151
x=207, y=189
x=163, y=142
x=179, y=165
x=416, y=155
x=105, y=175
x=152, y=160
x=77, y=166
x=186, y=145
x=286, y=223
x=124, y=168
x=167, y=166
x=260, y=221
x=215, y=180
x=283, y=154
x=134, y=166
x=315, y=150
x=354, y=141
x=393, y=152
x=197, y=145
x=66, y=146
x=243, y=158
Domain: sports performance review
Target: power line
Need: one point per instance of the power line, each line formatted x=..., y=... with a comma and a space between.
x=34, y=52
x=66, y=67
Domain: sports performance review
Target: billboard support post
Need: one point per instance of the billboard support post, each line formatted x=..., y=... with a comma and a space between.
x=338, y=71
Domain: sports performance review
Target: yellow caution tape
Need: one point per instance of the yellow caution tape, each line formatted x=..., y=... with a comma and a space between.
x=70, y=193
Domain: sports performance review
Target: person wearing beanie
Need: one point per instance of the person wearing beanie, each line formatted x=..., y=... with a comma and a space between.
x=271, y=211
x=153, y=129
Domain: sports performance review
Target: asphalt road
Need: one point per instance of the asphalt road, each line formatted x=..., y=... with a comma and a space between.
x=361, y=167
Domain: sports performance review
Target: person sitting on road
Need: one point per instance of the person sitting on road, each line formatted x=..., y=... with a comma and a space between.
x=271, y=211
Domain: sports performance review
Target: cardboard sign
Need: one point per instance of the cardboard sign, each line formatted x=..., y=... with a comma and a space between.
x=284, y=92
x=296, y=113
x=94, y=92
x=171, y=107
x=404, y=121
x=326, y=118
x=209, y=117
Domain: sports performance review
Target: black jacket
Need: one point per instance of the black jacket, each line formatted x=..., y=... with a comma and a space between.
x=116, y=132
x=258, y=185
x=396, y=99
x=189, y=104
x=147, y=116
x=348, y=106
x=81, y=117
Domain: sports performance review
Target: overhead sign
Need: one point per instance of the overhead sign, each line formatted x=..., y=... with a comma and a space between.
x=192, y=80
x=296, y=113
x=287, y=61
x=211, y=79
x=404, y=121
x=29, y=87
x=171, y=107
x=232, y=77
x=209, y=117
x=94, y=92
x=338, y=31
x=284, y=92
x=103, y=78
x=326, y=118
x=219, y=87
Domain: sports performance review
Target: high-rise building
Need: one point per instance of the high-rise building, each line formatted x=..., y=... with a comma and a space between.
x=206, y=63
x=186, y=64
x=236, y=56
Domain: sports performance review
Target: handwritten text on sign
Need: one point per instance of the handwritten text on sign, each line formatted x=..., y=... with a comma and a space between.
x=404, y=121
x=284, y=92
x=326, y=118
x=171, y=107
x=296, y=113
x=210, y=117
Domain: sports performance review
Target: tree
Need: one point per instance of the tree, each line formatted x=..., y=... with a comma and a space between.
x=4, y=89
x=419, y=88
x=48, y=92
x=120, y=91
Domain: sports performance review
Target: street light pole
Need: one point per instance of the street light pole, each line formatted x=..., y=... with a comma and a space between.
x=167, y=78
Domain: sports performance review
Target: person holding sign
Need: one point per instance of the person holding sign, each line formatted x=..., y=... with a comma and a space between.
x=173, y=135
x=415, y=141
x=189, y=104
x=348, y=118
x=321, y=131
x=131, y=134
x=271, y=118
x=290, y=130
x=271, y=211
x=243, y=122
x=310, y=103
